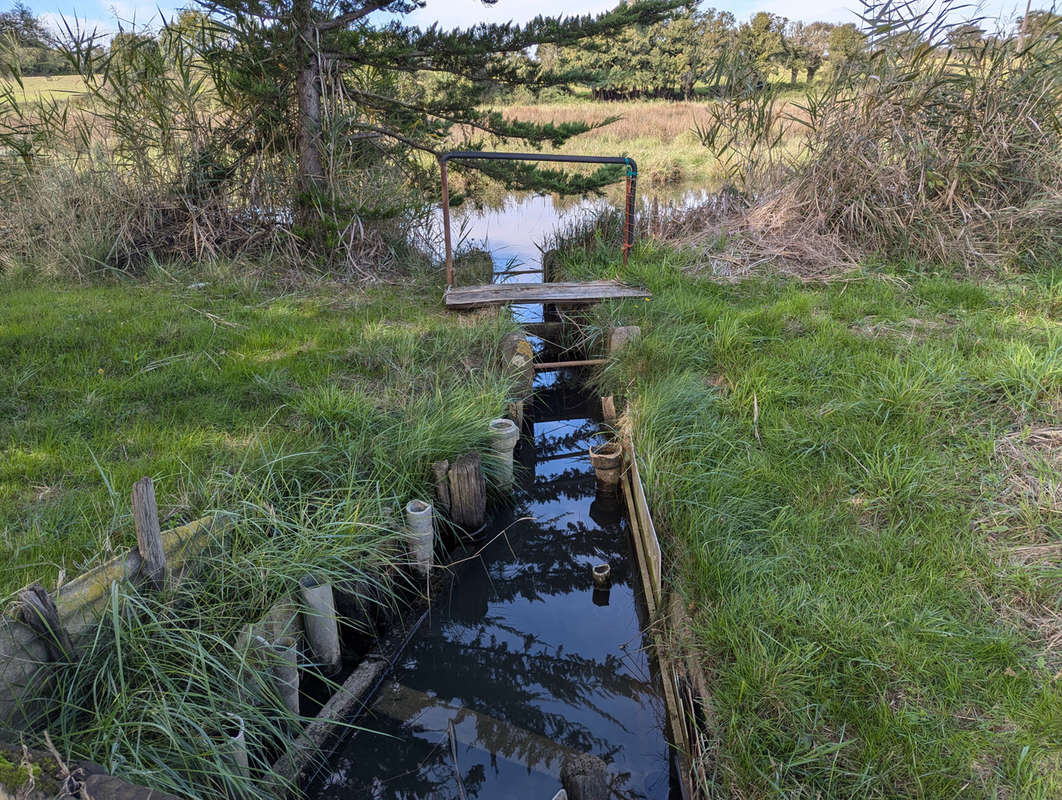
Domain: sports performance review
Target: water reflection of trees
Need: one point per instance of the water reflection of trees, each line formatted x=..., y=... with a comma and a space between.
x=562, y=400
x=401, y=758
x=392, y=760
x=494, y=692
x=508, y=681
x=550, y=561
x=575, y=440
x=508, y=692
x=571, y=483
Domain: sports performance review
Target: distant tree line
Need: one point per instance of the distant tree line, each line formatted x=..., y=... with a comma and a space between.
x=695, y=48
x=26, y=44
x=670, y=59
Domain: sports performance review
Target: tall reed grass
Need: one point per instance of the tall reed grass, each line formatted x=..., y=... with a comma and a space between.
x=925, y=148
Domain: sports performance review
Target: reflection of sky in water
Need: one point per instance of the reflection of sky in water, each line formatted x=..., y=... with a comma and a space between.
x=516, y=235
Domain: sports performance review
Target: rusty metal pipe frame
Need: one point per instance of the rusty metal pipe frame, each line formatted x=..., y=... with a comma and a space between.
x=471, y=155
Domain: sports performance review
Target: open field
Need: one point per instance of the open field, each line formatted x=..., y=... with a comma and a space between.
x=102, y=385
x=660, y=135
x=859, y=484
x=40, y=87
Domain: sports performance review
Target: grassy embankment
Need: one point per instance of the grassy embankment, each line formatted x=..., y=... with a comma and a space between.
x=859, y=482
x=102, y=385
x=302, y=415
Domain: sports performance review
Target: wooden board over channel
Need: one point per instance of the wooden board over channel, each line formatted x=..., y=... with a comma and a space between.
x=495, y=294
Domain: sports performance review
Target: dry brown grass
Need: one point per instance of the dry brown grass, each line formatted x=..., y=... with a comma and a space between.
x=949, y=156
x=734, y=242
x=1034, y=470
x=648, y=119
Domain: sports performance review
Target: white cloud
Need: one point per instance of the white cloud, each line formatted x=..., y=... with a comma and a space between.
x=119, y=14
x=57, y=23
x=806, y=11
x=464, y=13
x=140, y=13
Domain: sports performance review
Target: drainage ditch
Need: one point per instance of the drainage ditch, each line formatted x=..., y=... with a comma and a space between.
x=535, y=653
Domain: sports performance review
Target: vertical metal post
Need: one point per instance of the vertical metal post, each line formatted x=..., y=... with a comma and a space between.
x=446, y=221
x=628, y=232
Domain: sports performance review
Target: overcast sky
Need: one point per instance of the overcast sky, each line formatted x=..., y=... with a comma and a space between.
x=455, y=13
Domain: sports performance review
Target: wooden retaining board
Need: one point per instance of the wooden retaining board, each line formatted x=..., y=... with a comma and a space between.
x=650, y=564
x=650, y=542
x=496, y=294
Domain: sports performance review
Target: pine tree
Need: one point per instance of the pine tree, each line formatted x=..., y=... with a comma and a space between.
x=308, y=74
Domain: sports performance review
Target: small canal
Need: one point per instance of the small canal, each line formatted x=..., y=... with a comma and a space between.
x=522, y=662
x=523, y=657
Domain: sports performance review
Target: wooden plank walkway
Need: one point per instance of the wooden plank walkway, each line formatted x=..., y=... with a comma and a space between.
x=495, y=294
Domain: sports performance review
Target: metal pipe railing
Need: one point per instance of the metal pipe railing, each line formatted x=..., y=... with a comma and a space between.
x=628, y=209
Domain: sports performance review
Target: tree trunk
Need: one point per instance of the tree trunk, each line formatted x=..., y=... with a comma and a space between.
x=308, y=91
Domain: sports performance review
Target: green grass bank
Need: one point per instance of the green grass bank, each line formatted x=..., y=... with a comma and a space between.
x=859, y=487
x=308, y=417
x=195, y=384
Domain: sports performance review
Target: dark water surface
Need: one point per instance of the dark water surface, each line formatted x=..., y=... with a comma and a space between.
x=524, y=660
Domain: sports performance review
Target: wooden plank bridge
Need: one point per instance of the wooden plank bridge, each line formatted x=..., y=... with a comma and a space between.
x=495, y=294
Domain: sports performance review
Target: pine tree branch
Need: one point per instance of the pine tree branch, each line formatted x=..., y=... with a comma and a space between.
x=491, y=123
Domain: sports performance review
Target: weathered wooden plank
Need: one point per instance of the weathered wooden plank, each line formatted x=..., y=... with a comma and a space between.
x=501, y=293
x=37, y=610
x=440, y=470
x=149, y=533
x=651, y=542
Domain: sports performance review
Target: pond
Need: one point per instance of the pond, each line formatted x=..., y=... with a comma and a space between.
x=517, y=228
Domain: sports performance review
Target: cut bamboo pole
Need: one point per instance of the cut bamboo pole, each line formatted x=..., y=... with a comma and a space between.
x=285, y=672
x=319, y=620
x=420, y=520
x=584, y=362
x=608, y=410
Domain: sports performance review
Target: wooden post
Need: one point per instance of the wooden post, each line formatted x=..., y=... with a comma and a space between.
x=148, y=533
x=38, y=611
x=442, y=487
x=468, y=492
x=516, y=413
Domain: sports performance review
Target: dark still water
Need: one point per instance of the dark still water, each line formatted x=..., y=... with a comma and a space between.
x=522, y=658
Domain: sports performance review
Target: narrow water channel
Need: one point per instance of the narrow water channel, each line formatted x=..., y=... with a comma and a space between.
x=522, y=658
